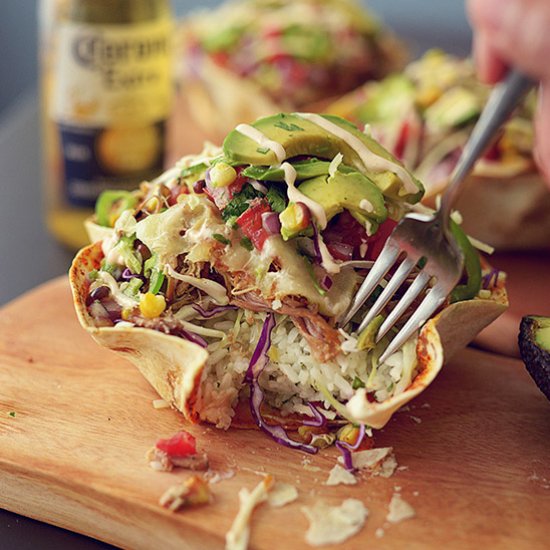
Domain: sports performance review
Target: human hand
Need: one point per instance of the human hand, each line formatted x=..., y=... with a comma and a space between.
x=516, y=32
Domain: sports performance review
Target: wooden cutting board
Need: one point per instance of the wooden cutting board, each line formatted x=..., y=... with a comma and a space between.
x=475, y=447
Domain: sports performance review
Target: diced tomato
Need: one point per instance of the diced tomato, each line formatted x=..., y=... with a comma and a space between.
x=180, y=445
x=378, y=240
x=251, y=224
x=221, y=196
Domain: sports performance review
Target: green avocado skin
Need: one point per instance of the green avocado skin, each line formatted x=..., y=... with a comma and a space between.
x=534, y=355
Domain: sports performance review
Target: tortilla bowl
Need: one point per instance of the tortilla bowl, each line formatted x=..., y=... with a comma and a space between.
x=174, y=366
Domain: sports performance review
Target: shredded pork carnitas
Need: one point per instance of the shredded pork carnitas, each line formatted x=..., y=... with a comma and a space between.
x=323, y=339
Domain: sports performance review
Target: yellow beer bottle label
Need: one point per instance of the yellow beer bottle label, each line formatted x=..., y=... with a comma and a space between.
x=111, y=98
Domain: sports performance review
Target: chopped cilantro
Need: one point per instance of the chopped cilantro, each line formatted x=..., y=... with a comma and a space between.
x=240, y=201
x=93, y=275
x=247, y=243
x=276, y=199
x=263, y=150
x=357, y=383
x=12, y=414
x=221, y=238
x=289, y=127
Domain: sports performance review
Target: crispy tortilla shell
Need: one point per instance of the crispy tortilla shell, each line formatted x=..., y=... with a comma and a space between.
x=509, y=213
x=173, y=366
x=96, y=232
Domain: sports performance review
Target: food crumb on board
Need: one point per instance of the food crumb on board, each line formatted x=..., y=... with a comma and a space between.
x=160, y=404
x=415, y=419
x=282, y=494
x=340, y=476
x=377, y=462
x=193, y=491
x=399, y=509
x=379, y=533
x=215, y=476
x=334, y=524
x=238, y=535
x=12, y=414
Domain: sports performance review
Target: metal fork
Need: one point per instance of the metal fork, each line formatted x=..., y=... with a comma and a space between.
x=425, y=241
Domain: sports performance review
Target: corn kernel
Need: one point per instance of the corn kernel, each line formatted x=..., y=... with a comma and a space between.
x=126, y=314
x=348, y=434
x=294, y=218
x=152, y=305
x=222, y=174
x=152, y=205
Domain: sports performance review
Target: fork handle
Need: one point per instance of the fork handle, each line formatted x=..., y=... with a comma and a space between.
x=503, y=100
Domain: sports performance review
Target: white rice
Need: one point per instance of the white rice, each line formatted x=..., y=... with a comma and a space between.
x=293, y=376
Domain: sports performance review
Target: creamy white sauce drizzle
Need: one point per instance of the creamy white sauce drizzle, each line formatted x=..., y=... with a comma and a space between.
x=294, y=195
x=213, y=289
x=334, y=164
x=262, y=140
x=366, y=205
x=370, y=160
x=327, y=261
x=119, y=296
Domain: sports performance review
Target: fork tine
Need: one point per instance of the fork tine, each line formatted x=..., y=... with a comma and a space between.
x=431, y=302
x=393, y=285
x=407, y=299
x=387, y=258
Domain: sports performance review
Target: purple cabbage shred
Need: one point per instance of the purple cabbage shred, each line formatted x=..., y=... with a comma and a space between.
x=346, y=448
x=255, y=368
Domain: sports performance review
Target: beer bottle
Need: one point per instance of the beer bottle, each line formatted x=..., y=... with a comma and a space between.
x=106, y=97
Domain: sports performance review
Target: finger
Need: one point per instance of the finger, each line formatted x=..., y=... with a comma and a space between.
x=490, y=67
x=542, y=131
x=518, y=31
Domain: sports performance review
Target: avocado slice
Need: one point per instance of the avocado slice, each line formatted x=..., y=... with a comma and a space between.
x=534, y=346
x=457, y=107
x=352, y=191
x=305, y=169
x=388, y=99
x=300, y=137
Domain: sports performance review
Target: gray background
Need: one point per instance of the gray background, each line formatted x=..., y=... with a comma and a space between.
x=29, y=256
x=423, y=22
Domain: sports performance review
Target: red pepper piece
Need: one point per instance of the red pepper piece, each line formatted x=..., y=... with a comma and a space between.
x=251, y=224
x=378, y=240
x=180, y=445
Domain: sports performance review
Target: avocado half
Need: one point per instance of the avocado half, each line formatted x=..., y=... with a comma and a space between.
x=534, y=346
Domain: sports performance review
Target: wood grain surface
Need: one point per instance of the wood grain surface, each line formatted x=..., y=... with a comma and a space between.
x=475, y=446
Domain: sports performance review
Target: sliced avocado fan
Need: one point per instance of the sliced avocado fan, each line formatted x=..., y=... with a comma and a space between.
x=300, y=137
